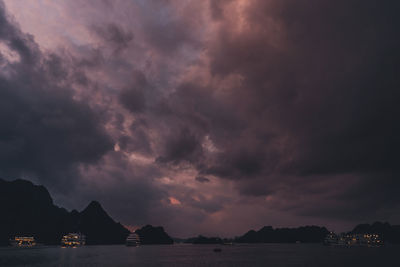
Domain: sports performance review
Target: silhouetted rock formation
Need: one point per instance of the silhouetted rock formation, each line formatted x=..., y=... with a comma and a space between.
x=150, y=235
x=389, y=233
x=178, y=240
x=204, y=240
x=306, y=234
x=99, y=228
x=28, y=209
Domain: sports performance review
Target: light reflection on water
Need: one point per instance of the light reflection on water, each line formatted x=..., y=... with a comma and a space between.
x=201, y=255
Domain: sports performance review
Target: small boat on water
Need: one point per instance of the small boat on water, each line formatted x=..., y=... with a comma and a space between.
x=23, y=241
x=73, y=240
x=133, y=240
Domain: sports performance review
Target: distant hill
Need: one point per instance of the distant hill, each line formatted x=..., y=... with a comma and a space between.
x=207, y=240
x=389, y=233
x=267, y=234
x=150, y=235
x=204, y=240
x=28, y=209
x=178, y=240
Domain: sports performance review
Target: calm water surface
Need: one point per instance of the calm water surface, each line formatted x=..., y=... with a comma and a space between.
x=202, y=255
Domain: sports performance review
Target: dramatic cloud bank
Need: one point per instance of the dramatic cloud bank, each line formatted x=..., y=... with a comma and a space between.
x=207, y=117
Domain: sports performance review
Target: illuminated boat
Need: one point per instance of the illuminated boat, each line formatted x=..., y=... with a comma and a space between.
x=331, y=239
x=73, y=240
x=23, y=241
x=133, y=240
x=353, y=240
x=366, y=240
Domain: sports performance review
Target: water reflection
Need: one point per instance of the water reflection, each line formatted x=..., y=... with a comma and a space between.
x=201, y=255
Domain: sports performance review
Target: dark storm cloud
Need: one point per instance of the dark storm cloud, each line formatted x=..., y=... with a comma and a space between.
x=376, y=196
x=164, y=30
x=44, y=133
x=348, y=117
x=310, y=96
x=242, y=161
x=291, y=103
x=181, y=146
x=137, y=140
x=128, y=197
x=202, y=179
x=217, y=9
x=324, y=83
x=133, y=97
x=208, y=206
x=115, y=36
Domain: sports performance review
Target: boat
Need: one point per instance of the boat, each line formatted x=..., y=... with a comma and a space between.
x=73, y=240
x=331, y=239
x=133, y=240
x=23, y=241
x=353, y=240
x=366, y=240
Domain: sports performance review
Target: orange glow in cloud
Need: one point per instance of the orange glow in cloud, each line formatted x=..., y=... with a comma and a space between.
x=174, y=201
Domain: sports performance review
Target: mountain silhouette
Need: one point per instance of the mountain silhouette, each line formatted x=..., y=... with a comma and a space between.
x=28, y=209
x=153, y=235
x=389, y=233
x=267, y=234
x=100, y=228
x=204, y=240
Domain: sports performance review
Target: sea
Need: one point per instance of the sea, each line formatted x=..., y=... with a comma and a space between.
x=202, y=255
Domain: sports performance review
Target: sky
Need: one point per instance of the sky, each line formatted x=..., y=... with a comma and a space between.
x=207, y=117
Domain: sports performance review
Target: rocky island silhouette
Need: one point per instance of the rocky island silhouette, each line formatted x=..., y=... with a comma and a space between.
x=28, y=209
